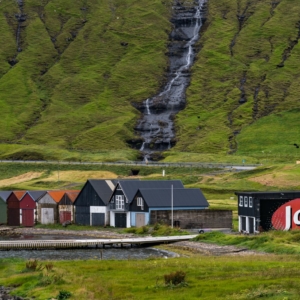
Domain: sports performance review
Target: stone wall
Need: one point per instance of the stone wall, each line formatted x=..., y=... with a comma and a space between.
x=206, y=218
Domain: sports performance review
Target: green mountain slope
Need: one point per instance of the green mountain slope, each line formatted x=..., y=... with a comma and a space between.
x=83, y=63
x=247, y=70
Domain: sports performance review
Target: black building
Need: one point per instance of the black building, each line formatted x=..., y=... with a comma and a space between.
x=90, y=205
x=255, y=209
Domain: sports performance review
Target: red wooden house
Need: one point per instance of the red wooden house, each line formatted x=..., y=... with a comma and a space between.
x=13, y=208
x=28, y=207
x=66, y=206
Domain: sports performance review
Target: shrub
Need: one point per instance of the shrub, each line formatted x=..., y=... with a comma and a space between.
x=47, y=279
x=174, y=278
x=49, y=266
x=130, y=230
x=34, y=265
x=142, y=230
x=63, y=295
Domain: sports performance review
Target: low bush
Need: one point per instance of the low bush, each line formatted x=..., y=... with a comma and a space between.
x=63, y=295
x=34, y=265
x=174, y=278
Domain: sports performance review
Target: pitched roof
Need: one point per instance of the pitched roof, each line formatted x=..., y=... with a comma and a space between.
x=4, y=195
x=131, y=187
x=19, y=194
x=104, y=188
x=56, y=195
x=35, y=195
x=181, y=197
x=72, y=195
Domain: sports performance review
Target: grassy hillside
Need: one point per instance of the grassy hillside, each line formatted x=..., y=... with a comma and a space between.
x=83, y=63
x=245, y=84
x=74, y=81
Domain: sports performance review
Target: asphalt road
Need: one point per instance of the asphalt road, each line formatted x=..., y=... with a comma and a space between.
x=227, y=166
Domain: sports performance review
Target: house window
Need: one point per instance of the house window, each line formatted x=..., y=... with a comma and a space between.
x=246, y=201
x=140, y=202
x=250, y=202
x=241, y=201
x=120, y=202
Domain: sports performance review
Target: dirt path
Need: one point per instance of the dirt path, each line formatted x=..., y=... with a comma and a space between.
x=213, y=249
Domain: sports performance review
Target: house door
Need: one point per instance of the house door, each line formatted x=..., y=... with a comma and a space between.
x=28, y=217
x=120, y=220
x=47, y=216
x=140, y=220
x=243, y=223
x=64, y=216
x=82, y=215
x=98, y=219
x=251, y=225
x=13, y=218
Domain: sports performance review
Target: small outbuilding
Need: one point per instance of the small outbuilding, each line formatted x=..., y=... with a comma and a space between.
x=13, y=208
x=47, y=207
x=66, y=206
x=3, y=206
x=91, y=203
x=28, y=207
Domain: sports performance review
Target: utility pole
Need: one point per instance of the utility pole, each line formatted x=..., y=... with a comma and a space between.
x=172, y=205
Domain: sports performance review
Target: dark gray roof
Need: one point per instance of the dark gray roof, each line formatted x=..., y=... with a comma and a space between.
x=181, y=197
x=131, y=187
x=271, y=195
x=35, y=195
x=4, y=195
x=104, y=187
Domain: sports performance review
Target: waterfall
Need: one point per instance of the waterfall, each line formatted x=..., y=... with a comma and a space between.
x=21, y=17
x=156, y=127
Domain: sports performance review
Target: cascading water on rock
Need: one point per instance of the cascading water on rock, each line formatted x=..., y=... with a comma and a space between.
x=156, y=126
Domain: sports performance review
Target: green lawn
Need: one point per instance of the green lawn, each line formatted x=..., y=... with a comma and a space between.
x=249, y=277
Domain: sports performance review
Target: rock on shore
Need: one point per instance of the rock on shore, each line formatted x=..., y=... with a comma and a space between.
x=4, y=294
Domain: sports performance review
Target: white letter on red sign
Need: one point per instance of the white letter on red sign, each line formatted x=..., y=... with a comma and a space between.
x=287, y=218
x=296, y=217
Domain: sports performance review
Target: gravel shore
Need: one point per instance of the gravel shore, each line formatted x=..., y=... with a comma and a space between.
x=201, y=248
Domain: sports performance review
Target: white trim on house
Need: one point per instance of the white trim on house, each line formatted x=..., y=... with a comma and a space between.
x=250, y=202
x=120, y=205
x=99, y=210
x=247, y=221
x=241, y=201
x=140, y=202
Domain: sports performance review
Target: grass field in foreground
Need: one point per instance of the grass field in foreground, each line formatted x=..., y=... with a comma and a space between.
x=250, y=277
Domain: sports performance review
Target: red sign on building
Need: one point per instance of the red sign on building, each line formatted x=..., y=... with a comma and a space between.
x=287, y=216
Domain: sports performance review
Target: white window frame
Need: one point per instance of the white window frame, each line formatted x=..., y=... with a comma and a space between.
x=140, y=202
x=241, y=201
x=120, y=202
x=250, y=202
x=245, y=201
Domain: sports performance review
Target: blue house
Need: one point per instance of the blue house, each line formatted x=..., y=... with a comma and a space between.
x=147, y=200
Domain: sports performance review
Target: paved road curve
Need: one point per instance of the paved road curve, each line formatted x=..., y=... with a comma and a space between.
x=143, y=164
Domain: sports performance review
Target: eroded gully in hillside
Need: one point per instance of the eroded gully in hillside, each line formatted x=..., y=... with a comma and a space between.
x=156, y=126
